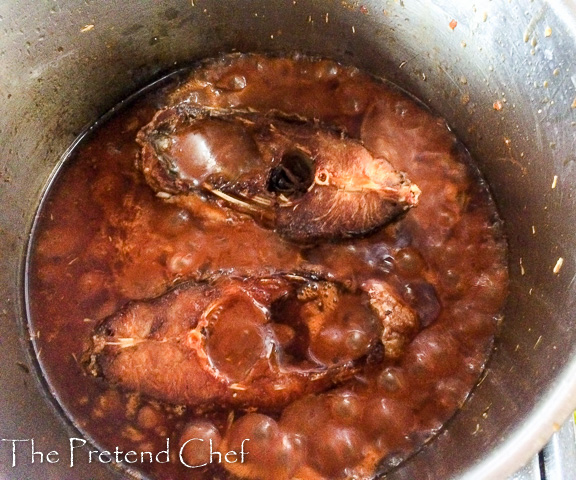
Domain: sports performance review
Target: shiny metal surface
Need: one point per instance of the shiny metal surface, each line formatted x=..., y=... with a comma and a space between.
x=504, y=78
x=530, y=471
x=557, y=461
x=559, y=455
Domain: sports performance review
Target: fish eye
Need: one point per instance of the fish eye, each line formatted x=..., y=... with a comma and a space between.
x=293, y=176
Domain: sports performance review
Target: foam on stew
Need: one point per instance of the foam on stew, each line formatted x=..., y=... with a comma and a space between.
x=104, y=238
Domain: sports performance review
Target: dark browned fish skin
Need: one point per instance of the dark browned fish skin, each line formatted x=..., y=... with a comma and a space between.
x=306, y=181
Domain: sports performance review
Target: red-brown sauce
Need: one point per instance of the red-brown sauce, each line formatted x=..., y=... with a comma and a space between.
x=103, y=238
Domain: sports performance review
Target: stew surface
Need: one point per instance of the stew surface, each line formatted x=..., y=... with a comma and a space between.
x=365, y=338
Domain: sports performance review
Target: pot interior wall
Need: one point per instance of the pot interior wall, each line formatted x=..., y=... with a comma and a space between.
x=504, y=78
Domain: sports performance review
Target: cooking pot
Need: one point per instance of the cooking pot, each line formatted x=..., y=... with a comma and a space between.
x=503, y=75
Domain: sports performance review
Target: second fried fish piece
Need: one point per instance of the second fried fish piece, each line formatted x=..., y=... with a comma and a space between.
x=259, y=342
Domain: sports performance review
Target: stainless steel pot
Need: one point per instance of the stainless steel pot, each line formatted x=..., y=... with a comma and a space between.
x=502, y=74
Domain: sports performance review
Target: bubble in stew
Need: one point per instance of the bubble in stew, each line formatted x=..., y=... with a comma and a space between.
x=280, y=257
